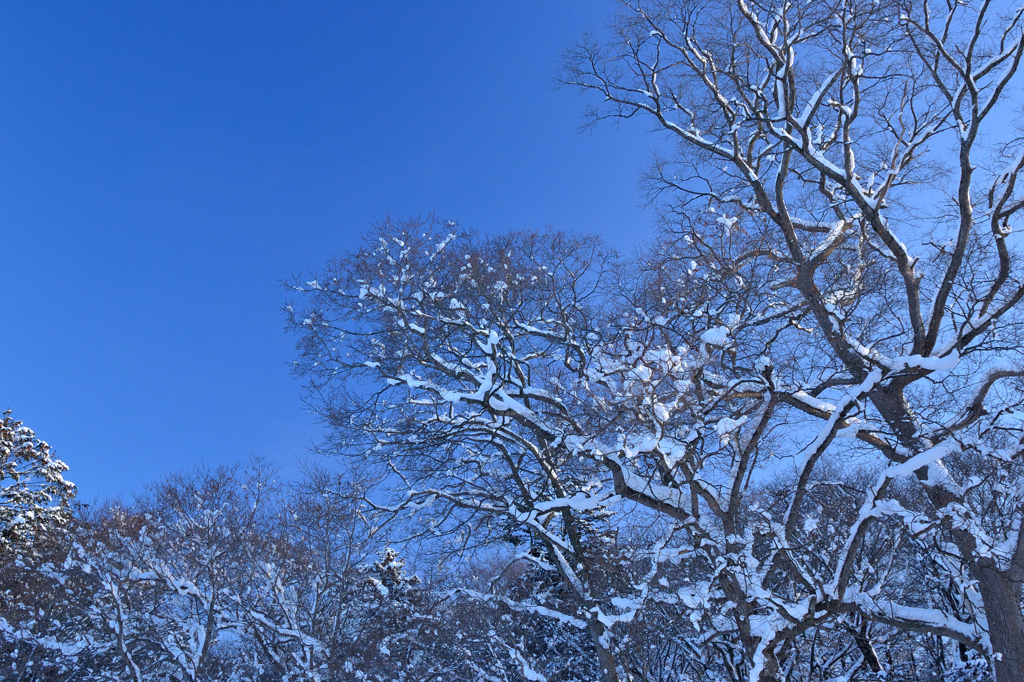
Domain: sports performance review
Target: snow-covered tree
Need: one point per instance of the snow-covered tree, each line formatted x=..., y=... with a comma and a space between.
x=444, y=362
x=33, y=493
x=859, y=163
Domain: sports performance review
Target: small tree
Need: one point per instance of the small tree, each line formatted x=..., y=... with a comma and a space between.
x=34, y=495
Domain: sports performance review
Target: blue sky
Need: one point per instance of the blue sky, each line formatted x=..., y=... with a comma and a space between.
x=164, y=165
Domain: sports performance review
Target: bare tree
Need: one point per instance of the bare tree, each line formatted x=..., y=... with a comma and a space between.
x=863, y=151
x=439, y=358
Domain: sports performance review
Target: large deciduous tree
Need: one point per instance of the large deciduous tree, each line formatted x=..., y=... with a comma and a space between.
x=873, y=145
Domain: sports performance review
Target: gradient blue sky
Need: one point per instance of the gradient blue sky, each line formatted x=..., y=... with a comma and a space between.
x=163, y=165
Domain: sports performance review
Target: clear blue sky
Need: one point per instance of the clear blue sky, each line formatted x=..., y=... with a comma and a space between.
x=163, y=165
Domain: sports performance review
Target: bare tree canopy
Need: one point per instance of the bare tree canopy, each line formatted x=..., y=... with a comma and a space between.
x=876, y=143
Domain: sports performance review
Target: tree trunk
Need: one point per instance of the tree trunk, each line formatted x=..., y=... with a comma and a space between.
x=1000, y=595
x=867, y=649
x=770, y=672
x=604, y=655
x=1005, y=620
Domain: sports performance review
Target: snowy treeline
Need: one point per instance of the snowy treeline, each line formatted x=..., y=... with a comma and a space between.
x=227, y=574
x=224, y=575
